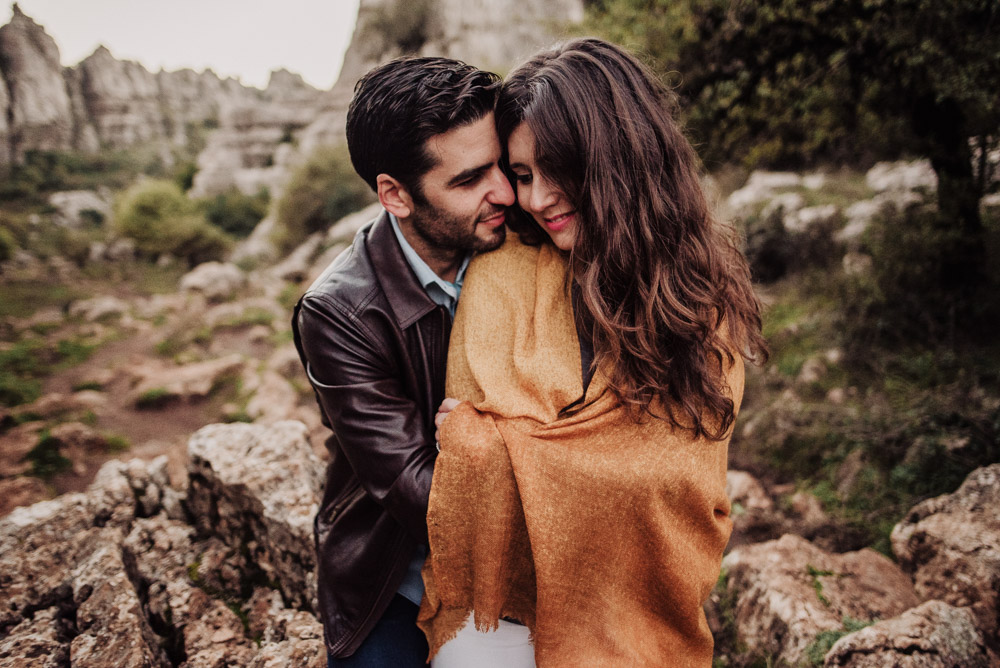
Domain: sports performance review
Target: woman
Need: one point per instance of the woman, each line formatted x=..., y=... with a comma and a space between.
x=580, y=487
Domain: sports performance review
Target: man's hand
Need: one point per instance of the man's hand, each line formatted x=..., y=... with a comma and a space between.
x=446, y=407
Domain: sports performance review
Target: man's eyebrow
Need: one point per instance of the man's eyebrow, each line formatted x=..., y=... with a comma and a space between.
x=467, y=174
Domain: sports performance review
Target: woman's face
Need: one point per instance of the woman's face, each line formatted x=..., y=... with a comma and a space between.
x=541, y=198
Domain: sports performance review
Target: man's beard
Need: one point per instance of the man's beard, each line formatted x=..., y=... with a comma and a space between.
x=444, y=230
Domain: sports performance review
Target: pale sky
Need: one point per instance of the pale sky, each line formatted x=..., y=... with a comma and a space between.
x=239, y=38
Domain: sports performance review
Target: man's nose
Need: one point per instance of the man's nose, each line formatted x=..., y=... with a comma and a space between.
x=500, y=191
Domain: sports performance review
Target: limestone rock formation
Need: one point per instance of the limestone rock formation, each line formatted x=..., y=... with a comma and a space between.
x=260, y=486
x=951, y=546
x=932, y=635
x=39, y=109
x=787, y=591
x=492, y=34
x=123, y=574
x=115, y=103
x=122, y=98
x=254, y=146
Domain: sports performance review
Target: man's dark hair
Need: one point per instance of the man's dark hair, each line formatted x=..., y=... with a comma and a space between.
x=398, y=106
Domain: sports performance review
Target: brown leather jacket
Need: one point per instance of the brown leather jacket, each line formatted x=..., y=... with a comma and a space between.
x=374, y=346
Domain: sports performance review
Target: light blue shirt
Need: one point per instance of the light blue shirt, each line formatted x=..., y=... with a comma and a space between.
x=439, y=290
x=446, y=294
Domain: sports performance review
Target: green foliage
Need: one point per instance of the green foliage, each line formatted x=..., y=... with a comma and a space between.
x=184, y=174
x=8, y=244
x=154, y=398
x=117, y=444
x=817, y=584
x=88, y=385
x=320, y=192
x=235, y=213
x=786, y=83
x=160, y=219
x=915, y=291
x=44, y=172
x=817, y=650
x=46, y=459
x=24, y=364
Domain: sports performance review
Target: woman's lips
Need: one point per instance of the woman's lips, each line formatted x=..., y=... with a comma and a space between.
x=556, y=223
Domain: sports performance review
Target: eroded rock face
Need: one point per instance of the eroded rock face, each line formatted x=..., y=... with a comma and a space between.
x=39, y=105
x=40, y=641
x=259, y=487
x=951, y=546
x=107, y=578
x=932, y=635
x=787, y=591
x=491, y=34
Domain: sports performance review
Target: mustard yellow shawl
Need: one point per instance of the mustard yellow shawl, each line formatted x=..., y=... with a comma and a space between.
x=603, y=535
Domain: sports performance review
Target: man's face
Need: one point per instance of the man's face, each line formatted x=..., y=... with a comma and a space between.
x=464, y=196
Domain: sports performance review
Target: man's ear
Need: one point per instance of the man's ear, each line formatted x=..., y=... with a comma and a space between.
x=394, y=196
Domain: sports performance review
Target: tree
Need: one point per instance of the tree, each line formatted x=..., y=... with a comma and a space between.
x=786, y=82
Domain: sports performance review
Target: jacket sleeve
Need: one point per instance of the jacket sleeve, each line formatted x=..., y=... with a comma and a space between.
x=379, y=428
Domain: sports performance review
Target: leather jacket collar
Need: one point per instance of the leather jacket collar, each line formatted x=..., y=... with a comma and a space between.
x=406, y=297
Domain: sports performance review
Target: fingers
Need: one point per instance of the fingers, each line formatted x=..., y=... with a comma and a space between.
x=448, y=404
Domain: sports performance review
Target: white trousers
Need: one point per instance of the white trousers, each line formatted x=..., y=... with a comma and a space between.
x=507, y=647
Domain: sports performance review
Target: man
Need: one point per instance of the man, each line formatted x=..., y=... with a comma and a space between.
x=372, y=333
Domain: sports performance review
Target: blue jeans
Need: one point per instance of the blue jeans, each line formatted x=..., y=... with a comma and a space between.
x=395, y=642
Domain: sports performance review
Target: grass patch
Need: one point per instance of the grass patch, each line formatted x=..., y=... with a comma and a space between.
x=250, y=317
x=46, y=458
x=817, y=650
x=290, y=295
x=170, y=346
x=23, y=298
x=117, y=444
x=817, y=584
x=88, y=385
x=153, y=398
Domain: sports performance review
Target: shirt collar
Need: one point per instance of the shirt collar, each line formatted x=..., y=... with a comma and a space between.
x=428, y=279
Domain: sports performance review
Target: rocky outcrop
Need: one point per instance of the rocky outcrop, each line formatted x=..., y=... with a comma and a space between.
x=932, y=635
x=786, y=592
x=255, y=143
x=39, y=110
x=132, y=572
x=260, y=487
x=122, y=98
x=104, y=101
x=951, y=546
x=494, y=35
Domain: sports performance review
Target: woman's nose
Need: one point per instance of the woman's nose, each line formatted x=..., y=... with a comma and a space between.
x=542, y=195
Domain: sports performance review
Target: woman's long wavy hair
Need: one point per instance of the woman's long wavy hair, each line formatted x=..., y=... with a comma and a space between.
x=665, y=293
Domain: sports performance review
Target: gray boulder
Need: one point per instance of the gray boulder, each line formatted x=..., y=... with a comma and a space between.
x=933, y=635
x=258, y=487
x=785, y=592
x=951, y=546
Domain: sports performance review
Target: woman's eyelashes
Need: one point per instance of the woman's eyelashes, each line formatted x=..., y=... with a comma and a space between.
x=522, y=179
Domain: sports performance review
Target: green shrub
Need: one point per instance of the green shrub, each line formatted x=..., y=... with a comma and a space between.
x=320, y=192
x=160, y=219
x=154, y=398
x=917, y=290
x=7, y=244
x=235, y=213
x=817, y=650
x=46, y=458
